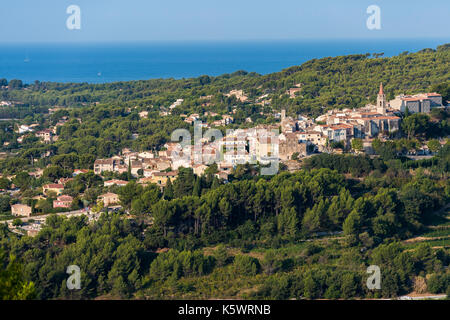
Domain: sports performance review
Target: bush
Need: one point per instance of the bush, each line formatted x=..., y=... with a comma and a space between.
x=245, y=265
x=438, y=283
x=17, y=222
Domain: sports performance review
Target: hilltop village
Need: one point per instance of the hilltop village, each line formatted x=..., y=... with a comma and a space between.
x=285, y=143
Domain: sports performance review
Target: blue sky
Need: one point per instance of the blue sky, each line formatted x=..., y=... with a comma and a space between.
x=173, y=20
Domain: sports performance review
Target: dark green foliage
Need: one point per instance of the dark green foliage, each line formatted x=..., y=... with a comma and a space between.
x=178, y=264
x=245, y=265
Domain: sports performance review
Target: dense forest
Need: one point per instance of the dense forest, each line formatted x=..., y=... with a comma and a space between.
x=308, y=234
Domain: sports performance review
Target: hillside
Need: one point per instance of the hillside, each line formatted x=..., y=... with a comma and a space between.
x=344, y=81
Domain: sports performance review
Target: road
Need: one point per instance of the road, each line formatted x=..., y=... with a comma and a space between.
x=45, y=216
x=423, y=297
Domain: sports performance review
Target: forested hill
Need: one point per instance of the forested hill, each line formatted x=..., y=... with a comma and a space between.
x=344, y=81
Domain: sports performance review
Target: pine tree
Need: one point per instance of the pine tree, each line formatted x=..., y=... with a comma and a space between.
x=197, y=187
x=129, y=175
x=215, y=183
x=168, y=190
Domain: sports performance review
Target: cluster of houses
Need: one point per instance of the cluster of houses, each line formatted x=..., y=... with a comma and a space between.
x=422, y=102
x=292, y=92
x=282, y=142
x=265, y=143
x=239, y=94
x=370, y=121
x=226, y=119
x=47, y=135
x=260, y=144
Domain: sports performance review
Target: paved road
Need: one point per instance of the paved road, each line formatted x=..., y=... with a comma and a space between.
x=45, y=216
x=436, y=296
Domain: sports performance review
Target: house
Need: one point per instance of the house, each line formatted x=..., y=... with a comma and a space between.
x=199, y=169
x=145, y=180
x=176, y=104
x=143, y=114
x=314, y=137
x=115, y=182
x=112, y=164
x=337, y=132
x=109, y=199
x=239, y=94
x=149, y=173
x=20, y=139
x=53, y=110
x=45, y=135
x=63, y=181
x=235, y=157
x=63, y=201
x=79, y=171
x=37, y=173
x=146, y=155
x=292, y=92
x=266, y=148
x=136, y=165
x=217, y=123
x=163, y=164
x=222, y=175
x=232, y=143
x=183, y=160
x=161, y=178
x=130, y=156
x=24, y=129
x=191, y=119
x=21, y=210
x=289, y=144
x=422, y=102
x=101, y=165
x=226, y=119
x=54, y=187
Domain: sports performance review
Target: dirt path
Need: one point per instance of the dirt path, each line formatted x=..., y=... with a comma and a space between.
x=419, y=239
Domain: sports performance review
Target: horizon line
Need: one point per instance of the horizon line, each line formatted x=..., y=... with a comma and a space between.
x=224, y=40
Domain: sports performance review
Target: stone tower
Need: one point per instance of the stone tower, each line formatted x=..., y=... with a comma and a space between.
x=381, y=101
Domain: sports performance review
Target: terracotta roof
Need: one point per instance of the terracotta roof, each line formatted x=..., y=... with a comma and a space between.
x=65, y=198
x=54, y=186
x=109, y=194
x=166, y=174
x=116, y=181
x=103, y=161
x=389, y=118
x=381, y=88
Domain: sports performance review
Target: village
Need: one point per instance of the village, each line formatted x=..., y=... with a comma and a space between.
x=285, y=142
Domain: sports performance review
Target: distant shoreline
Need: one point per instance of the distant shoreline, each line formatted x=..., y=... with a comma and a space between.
x=101, y=63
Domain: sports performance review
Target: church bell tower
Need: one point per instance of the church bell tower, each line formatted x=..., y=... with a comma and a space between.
x=381, y=101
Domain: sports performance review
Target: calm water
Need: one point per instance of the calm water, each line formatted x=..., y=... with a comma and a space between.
x=97, y=63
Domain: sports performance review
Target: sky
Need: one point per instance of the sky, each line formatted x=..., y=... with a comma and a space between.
x=225, y=20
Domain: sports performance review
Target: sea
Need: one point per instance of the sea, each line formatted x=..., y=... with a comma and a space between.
x=112, y=62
